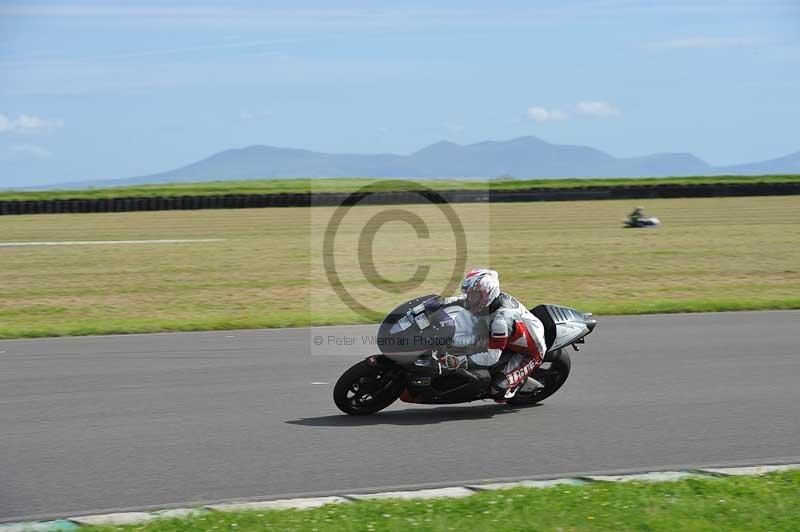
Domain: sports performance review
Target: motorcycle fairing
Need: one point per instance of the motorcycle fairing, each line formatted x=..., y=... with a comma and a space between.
x=452, y=329
x=563, y=325
x=460, y=386
x=408, y=342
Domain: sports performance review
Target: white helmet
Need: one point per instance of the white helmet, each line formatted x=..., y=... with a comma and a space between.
x=481, y=287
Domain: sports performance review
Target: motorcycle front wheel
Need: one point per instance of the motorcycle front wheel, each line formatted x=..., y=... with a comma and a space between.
x=365, y=389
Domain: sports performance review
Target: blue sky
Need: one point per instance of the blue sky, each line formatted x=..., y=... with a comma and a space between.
x=100, y=90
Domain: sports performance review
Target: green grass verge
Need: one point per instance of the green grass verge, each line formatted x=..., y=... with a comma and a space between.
x=770, y=502
x=102, y=326
x=711, y=254
x=273, y=186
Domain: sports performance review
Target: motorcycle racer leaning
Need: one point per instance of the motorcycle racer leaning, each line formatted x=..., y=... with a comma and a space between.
x=636, y=216
x=511, y=328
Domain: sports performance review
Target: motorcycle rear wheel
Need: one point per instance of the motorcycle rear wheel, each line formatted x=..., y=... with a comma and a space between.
x=365, y=389
x=553, y=377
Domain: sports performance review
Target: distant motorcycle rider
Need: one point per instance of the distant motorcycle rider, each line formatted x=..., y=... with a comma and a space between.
x=512, y=328
x=636, y=216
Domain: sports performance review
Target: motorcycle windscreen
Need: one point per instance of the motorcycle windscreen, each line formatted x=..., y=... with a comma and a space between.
x=398, y=334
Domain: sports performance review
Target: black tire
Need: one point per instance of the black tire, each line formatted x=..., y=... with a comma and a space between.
x=365, y=389
x=552, y=375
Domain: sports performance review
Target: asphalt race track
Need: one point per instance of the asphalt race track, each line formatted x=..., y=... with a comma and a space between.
x=123, y=422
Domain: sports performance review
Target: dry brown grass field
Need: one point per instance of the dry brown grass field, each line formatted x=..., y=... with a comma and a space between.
x=710, y=254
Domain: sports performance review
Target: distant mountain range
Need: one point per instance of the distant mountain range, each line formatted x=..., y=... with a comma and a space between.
x=524, y=157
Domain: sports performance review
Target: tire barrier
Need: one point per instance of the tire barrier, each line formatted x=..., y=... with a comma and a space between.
x=257, y=201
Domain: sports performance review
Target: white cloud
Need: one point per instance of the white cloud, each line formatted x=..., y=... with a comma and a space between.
x=589, y=108
x=28, y=124
x=247, y=114
x=24, y=151
x=704, y=42
x=596, y=109
x=541, y=114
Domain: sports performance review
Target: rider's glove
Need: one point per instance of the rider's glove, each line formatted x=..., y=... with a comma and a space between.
x=454, y=362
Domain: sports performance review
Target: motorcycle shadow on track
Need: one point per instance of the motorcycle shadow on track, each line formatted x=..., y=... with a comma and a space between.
x=417, y=416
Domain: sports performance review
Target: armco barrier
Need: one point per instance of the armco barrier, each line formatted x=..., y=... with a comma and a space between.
x=251, y=201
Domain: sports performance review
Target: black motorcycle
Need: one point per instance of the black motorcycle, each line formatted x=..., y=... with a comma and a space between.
x=413, y=344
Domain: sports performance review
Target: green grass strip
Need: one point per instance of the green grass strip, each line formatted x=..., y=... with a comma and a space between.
x=294, y=186
x=769, y=502
x=304, y=319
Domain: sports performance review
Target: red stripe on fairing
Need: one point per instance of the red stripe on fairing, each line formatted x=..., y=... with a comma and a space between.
x=498, y=342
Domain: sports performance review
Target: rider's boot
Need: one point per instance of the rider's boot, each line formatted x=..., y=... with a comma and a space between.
x=498, y=395
x=503, y=395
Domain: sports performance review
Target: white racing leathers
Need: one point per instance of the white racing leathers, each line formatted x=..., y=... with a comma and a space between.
x=512, y=328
